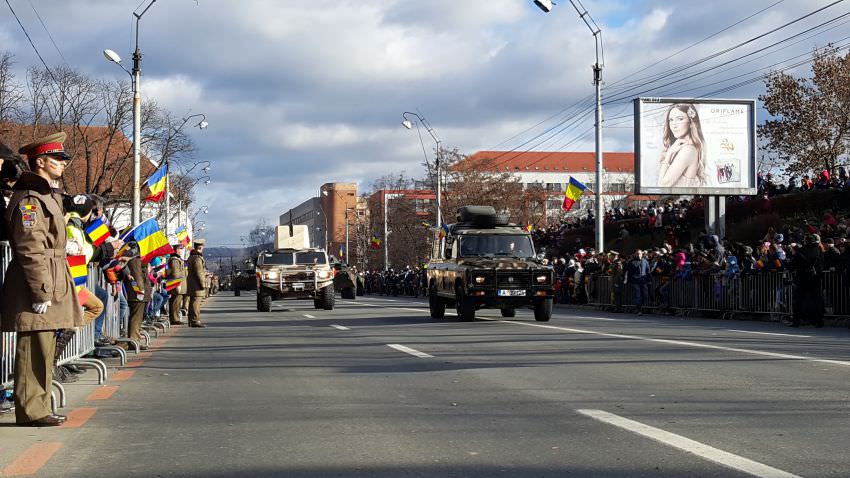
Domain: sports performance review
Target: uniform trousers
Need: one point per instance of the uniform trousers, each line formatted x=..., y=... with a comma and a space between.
x=33, y=374
x=175, y=303
x=195, y=309
x=137, y=315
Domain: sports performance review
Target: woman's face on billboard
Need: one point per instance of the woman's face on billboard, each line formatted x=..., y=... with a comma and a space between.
x=679, y=123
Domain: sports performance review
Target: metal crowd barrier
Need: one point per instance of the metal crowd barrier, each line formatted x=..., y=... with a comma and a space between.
x=763, y=293
x=7, y=343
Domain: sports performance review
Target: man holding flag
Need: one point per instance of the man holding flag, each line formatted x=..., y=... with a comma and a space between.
x=175, y=284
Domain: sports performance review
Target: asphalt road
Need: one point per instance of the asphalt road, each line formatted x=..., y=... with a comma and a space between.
x=376, y=388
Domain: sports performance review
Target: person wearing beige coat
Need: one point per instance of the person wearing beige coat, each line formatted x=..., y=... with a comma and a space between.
x=196, y=277
x=38, y=296
x=176, y=270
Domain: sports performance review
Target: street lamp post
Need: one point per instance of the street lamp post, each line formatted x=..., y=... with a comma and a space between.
x=202, y=125
x=346, y=234
x=546, y=6
x=136, y=75
x=438, y=189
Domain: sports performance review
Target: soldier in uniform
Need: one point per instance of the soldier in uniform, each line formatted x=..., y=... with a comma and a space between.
x=134, y=276
x=38, y=292
x=176, y=270
x=196, y=278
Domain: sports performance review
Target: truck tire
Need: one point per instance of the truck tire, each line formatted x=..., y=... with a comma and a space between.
x=317, y=303
x=436, y=304
x=348, y=293
x=327, y=298
x=465, y=307
x=543, y=310
x=236, y=293
x=508, y=312
x=264, y=302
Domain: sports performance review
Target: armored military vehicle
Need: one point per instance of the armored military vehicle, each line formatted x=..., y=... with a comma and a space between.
x=485, y=262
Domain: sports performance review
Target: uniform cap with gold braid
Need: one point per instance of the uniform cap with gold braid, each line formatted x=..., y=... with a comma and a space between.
x=51, y=145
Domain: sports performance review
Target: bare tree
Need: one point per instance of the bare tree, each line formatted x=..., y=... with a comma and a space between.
x=11, y=92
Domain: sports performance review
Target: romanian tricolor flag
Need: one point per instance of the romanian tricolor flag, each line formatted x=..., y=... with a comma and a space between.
x=173, y=284
x=444, y=229
x=80, y=274
x=529, y=228
x=574, y=191
x=98, y=231
x=375, y=243
x=156, y=184
x=183, y=236
x=152, y=242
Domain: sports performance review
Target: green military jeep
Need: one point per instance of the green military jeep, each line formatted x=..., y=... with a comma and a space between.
x=485, y=262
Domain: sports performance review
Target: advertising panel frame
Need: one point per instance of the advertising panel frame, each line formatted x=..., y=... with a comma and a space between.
x=750, y=190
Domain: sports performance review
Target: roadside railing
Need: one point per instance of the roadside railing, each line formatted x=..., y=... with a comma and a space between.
x=764, y=293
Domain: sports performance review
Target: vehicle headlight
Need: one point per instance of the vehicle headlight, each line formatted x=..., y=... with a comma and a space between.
x=323, y=274
x=480, y=279
x=272, y=275
x=541, y=279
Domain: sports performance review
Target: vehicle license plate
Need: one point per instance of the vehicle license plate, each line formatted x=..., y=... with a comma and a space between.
x=511, y=293
x=298, y=286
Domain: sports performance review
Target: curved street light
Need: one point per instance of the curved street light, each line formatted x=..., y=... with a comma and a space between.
x=205, y=169
x=136, y=76
x=407, y=123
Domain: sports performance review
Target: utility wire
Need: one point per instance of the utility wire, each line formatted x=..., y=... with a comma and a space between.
x=49, y=71
x=48, y=33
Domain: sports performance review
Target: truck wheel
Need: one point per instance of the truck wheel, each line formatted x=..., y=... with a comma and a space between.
x=465, y=307
x=508, y=312
x=543, y=310
x=317, y=303
x=327, y=299
x=264, y=303
x=348, y=293
x=436, y=304
x=236, y=293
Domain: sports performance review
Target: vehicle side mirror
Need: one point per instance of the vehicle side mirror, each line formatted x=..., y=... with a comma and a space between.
x=540, y=257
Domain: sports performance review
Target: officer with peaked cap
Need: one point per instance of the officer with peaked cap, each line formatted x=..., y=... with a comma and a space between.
x=196, y=278
x=176, y=271
x=38, y=293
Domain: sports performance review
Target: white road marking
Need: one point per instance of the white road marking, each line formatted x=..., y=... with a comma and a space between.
x=683, y=343
x=340, y=327
x=701, y=450
x=408, y=350
x=767, y=333
x=309, y=316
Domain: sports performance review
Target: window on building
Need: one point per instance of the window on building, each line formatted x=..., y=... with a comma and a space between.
x=554, y=187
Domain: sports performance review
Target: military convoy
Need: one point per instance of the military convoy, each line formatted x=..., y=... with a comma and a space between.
x=485, y=262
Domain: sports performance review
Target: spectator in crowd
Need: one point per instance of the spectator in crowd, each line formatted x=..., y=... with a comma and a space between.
x=807, y=266
x=134, y=276
x=637, y=275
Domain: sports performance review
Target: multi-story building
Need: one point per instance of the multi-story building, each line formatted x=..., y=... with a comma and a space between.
x=326, y=216
x=551, y=171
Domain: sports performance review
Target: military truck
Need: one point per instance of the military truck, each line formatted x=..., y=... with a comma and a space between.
x=294, y=271
x=294, y=274
x=485, y=262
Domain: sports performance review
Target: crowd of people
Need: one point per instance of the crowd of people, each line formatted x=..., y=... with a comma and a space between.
x=410, y=281
x=55, y=239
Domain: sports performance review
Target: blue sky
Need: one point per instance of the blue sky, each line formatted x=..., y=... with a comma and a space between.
x=298, y=93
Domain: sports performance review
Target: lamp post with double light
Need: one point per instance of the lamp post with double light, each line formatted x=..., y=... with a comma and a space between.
x=407, y=123
x=546, y=6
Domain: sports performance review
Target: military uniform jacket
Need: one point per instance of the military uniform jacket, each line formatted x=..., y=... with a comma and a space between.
x=177, y=270
x=39, y=271
x=196, y=276
x=135, y=272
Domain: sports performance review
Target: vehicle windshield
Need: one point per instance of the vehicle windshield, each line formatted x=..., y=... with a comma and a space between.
x=310, y=258
x=277, y=258
x=496, y=245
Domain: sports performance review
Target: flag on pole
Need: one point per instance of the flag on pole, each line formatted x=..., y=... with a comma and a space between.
x=173, y=284
x=79, y=271
x=98, y=231
x=152, y=242
x=156, y=183
x=183, y=236
x=375, y=243
x=444, y=230
x=573, y=192
x=529, y=228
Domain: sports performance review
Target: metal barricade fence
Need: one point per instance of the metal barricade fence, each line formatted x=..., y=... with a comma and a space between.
x=7, y=343
x=836, y=287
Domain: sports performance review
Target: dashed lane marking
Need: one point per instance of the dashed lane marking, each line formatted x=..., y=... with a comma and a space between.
x=123, y=375
x=408, y=350
x=767, y=333
x=701, y=450
x=32, y=459
x=340, y=327
x=79, y=416
x=310, y=316
x=103, y=393
x=683, y=343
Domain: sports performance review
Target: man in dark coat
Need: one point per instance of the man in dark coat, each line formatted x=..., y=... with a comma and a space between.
x=196, y=282
x=807, y=266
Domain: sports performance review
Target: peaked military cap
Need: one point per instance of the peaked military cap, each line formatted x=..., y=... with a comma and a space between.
x=52, y=145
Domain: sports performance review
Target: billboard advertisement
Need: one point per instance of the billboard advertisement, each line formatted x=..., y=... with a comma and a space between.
x=695, y=146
